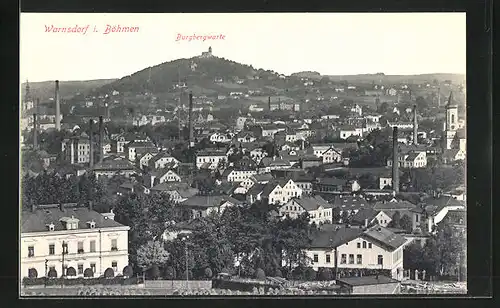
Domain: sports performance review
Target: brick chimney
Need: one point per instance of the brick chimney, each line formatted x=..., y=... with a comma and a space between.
x=58, y=108
x=415, y=125
x=35, y=133
x=395, y=160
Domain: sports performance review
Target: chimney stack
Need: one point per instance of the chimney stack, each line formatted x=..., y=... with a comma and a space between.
x=415, y=125
x=58, y=111
x=91, y=140
x=191, y=139
x=35, y=132
x=269, y=102
x=395, y=160
x=101, y=137
x=439, y=97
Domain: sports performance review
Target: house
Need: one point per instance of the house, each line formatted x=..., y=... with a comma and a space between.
x=132, y=148
x=411, y=159
x=177, y=191
x=144, y=160
x=162, y=176
x=245, y=137
x=161, y=160
x=437, y=209
x=305, y=183
x=318, y=209
x=274, y=192
x=112, y=167
x=329, y=185
x=357, y=109
x=350, y=204
x=235, y=175
x=367, y=217
x=369, y=285
x=221, y=137
x=452, y=155
x=374, y=248
x=308, y=161
x=202, y=206
x=267, y=164
x=348, y=131
x=76, y=150
x=210, y=159
x=87, y=239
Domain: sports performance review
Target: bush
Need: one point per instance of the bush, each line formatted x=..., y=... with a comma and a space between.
x=278, y=273
x=88, y=273
x=208, y=273
x=225, y=270
x=190, y=275
x=259, y=274
x=310, y=274
x=154, y=272
x=128, y=271
x=52, y=273
x=169, y=273
x=32, y=273
x=324, y=274
x=109, y=273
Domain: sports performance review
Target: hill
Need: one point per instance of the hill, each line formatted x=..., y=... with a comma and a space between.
x=381, y=78
x=207, y=74
x=45, y=89
x=307, y=74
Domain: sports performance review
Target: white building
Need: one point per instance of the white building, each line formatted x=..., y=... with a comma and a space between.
x=375, y=248
x=411, y=159
x=90, y=241
x=232, y=175
x=210, y=160
x=318, y=209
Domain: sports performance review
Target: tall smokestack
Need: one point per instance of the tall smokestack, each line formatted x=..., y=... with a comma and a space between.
x=269, y=102
x=101, y=137
x=415, y=125
x=35, y=132
x=191, y=139
x=395, y=160
x=91, y=140
x=58, y=111
x=439, y=97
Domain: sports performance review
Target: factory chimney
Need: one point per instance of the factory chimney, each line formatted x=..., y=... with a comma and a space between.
x=191, y=139
x=58, y=111
x=91, y=140
x=101, y=137
x=35, y=132
x=415, y=125
x=269, y=102
x=439, y=97
x=395, y=160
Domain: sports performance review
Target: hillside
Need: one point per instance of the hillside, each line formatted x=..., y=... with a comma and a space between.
x=45, y=89
x=368, y=78
x=198, y=73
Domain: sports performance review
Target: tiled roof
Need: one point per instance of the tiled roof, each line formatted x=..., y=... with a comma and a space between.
x=385, y=237
x=362, y=214
x=351, y=202
x=209, y=201
x=39, y=220
x=263, y=177
x=335, y=238
x=395, y=206
x=312, y=203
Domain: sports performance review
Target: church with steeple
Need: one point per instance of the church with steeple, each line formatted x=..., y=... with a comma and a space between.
x=453, y=135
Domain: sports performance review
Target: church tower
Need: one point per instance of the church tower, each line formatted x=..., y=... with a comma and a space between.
x=451, y=125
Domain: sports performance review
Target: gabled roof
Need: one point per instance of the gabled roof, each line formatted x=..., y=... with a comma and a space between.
x=365, y=213
x=263, y=177
x=160, y=156
x=256, y=189
x=394, y=206
x=312, y=203
x=335, y=238
x=44, y=215
x=385, y=237
x=209, y=201
x=351, y=202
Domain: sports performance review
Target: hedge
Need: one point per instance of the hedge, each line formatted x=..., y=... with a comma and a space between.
x=81, y=281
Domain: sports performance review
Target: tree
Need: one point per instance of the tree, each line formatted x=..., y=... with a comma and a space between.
x=421, y=103
x=154, y=272
x=88, y=272
x=52, y=273
x=406, y=223
x=169, y=273
x=109, y=273
x=383, y=108
x=325, y=274
x=395, y=222
x=208, y=272
x=310, y=274
x=278, y=273
x=151, y=254
x=259, y=274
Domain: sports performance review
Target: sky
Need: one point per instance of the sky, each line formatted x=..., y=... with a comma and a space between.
x=329, y=43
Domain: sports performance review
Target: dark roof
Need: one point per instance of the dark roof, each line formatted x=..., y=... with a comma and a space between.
x=312, y=203
x=437, y=204
x=398, y=205
x=351, y=202
x=362, y=214
x=39, y=220
x=256, y=189
x=209, y=201
x=335, y=238
x=367, y=280
x=385, y=237
x=331, y=181
x=263, y=177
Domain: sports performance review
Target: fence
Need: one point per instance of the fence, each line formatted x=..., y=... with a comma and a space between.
x=178, y=284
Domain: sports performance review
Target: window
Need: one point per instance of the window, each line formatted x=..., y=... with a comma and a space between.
x=52, y=249
x=114, y=266
x=114, y=245
x=327, y=257
x=359, y=259
x=351, y=259
x=370, y=245
x=359, y=245
x=53, y=268
x=364, y=244
x=80, y=247
x=31, y=251
x=380, y=260
x=92, y=267
x=343, y=259
x=315, y=258
x=80, y=269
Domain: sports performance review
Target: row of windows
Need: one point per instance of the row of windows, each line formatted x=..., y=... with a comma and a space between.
x=364, y=245
x=80, y=267
x=80, y=248
x=343, y=259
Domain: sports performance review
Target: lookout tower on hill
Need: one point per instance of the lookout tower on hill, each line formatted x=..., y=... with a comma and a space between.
x=207, y=54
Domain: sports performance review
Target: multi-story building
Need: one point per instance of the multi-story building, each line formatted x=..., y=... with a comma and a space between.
x=355, y=248
x=76, y=149
x=210, y=159
x=60, y=237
